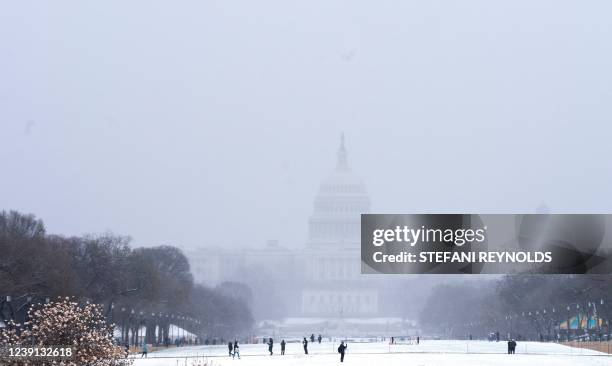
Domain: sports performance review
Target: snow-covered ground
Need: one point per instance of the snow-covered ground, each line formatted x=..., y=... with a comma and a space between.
x=428, y=353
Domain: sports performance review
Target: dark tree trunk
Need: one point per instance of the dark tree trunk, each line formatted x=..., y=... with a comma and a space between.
x=150, y=336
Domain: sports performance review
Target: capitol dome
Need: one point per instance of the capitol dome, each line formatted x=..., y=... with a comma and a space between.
x=341, y=199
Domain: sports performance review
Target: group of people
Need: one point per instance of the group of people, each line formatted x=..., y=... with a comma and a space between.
x=270, y=343
x=341, y=349
x=511, y=346
x=234, y=350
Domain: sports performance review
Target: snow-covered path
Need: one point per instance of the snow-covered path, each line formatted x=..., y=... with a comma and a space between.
x=442, y=353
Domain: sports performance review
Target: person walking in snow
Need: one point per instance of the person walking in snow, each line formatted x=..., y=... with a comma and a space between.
x=319, y=339
x=283, y=347
x=145, y=350
x=341, y=349
x=236, y=350
x=312, y=338
x=305, y=343
x=230, y=347
x=270, y=345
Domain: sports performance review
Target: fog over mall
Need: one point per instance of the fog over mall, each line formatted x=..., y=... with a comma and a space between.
x=208, y=178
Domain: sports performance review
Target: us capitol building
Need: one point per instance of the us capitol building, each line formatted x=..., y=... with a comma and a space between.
x=320, y=281
x=332, y=253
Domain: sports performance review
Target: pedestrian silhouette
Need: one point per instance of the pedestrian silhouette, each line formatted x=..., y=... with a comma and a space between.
x=341, y=349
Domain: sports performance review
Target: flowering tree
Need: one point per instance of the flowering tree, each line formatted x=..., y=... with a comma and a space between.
x=64, y=324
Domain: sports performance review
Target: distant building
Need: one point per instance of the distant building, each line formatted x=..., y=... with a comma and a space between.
x=214, y=265
x=322, y=279
x=332, y=252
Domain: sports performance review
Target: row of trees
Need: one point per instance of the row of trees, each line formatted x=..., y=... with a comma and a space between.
x=104, y=269
x=530, y=306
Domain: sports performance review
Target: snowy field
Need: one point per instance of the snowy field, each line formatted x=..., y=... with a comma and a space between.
x=428, y=353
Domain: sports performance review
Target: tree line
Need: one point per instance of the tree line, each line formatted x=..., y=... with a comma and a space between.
x=105, y=269
x=529, y=306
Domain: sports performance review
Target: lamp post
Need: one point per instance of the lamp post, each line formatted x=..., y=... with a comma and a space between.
x=167, y=338
x=171, y=328
x=153, y=337
x=547, y=324
x=557, y=323
x=509, y=321
x=569, y=323
x=594, y=316
x=130, y=326
x=123, y=332
x=579, y=320
x=139, y=323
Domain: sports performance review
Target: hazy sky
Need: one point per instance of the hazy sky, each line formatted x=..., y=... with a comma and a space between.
x=213, y=122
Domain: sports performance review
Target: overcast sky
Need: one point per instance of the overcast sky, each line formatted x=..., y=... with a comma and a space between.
x=213, y=122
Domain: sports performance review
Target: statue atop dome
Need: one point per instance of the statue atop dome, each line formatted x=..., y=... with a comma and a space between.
x=342, y=163
x=342, y=181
